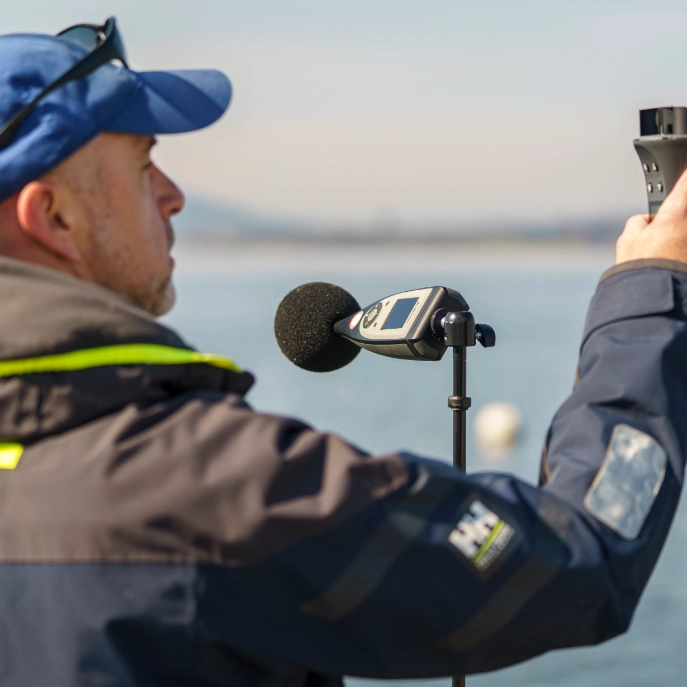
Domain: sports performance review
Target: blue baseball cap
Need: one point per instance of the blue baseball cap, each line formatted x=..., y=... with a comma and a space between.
x=112, y=98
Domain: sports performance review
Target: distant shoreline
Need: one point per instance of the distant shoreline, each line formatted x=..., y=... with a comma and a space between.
x=288, y=256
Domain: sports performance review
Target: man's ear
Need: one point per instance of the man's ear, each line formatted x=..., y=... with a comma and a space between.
x=40, y=217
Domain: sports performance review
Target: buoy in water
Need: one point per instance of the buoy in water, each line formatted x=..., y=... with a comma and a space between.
x=496, y=429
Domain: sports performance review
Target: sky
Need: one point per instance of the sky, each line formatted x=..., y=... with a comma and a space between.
x=392, y=111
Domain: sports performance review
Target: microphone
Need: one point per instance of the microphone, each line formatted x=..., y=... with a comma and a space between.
x=304, y=326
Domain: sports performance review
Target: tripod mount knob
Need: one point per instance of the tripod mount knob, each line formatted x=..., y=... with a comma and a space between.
x=485, y=335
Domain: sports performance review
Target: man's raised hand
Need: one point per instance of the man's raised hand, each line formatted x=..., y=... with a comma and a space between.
x=664, y=236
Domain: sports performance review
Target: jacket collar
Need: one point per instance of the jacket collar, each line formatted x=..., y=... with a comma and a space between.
x=71, y=351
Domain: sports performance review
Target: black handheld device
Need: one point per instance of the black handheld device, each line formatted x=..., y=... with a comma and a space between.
x=662, y=150
x=405, y=325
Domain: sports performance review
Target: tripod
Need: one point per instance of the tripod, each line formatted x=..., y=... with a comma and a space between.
x=460, y=331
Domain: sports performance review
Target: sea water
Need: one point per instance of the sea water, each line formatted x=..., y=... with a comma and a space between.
x=535, y=300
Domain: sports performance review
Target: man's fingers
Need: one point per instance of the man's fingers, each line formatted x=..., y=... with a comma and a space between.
x=676, y=202
x=637, y=223
x=626, y=245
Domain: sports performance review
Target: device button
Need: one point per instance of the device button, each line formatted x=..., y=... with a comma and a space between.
x=650, y=188
x=654, y=167
x=372, y=315
x=646, y=167
x=659, y=187
x=355, y=320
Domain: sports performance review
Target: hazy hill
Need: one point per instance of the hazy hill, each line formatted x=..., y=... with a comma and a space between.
x=206, y=220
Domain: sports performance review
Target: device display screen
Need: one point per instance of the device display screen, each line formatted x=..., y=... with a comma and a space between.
x=399, y=313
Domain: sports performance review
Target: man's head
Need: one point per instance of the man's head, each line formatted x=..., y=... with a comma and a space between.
x=102, y=215
x=78, y=190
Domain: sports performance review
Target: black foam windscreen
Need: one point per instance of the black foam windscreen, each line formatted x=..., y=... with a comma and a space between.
x=304, y=326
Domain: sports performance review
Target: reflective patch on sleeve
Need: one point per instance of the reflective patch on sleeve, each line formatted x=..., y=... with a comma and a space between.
x=625, y=488
x=10, y=455
x=481, y=536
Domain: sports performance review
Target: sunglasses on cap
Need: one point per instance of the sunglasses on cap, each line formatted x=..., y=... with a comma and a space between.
x=104, y=44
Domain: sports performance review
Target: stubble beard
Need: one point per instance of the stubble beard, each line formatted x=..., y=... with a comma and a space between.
x=117, y=267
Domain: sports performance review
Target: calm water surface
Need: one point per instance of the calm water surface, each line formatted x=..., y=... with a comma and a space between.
x=227, y=303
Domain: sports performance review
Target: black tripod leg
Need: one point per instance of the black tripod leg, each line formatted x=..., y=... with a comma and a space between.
x=459, y=403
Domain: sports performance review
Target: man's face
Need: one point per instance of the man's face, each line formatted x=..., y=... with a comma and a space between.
x=123, y=205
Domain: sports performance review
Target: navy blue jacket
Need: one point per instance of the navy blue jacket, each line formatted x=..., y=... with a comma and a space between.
x=155, y=530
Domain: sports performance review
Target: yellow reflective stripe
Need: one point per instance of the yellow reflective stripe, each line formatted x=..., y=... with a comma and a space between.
x=124, y=354
x=490, y=540
x=10, y=455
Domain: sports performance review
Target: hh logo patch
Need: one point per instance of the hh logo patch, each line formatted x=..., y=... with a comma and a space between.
x=481, y=536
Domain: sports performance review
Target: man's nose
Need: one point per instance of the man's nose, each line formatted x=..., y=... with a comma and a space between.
x=170, y=198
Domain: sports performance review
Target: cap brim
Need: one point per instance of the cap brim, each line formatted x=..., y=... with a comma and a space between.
x=174, y=102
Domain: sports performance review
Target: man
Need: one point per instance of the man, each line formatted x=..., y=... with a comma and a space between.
x=155, y=530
